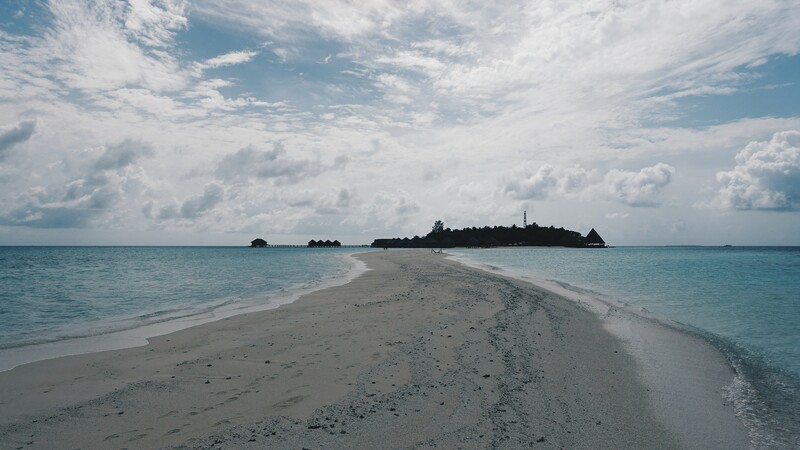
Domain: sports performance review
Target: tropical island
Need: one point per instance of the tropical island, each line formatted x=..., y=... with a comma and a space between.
x=496, y=236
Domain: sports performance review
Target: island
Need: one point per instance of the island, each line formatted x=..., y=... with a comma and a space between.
x=496, y=236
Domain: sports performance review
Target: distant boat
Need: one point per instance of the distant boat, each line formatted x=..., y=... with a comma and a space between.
x=727, y=245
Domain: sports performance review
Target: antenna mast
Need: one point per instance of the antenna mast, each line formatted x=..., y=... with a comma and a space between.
x=525, y=219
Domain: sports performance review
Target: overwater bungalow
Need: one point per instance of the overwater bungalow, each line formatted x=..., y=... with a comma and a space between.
x=258, y=243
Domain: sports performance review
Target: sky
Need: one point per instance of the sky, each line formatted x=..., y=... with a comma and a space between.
x=213, y=122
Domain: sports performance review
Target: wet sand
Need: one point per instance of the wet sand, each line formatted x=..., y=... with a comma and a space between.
x=419, y=351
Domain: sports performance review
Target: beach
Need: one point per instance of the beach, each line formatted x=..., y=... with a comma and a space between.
x=419, y=351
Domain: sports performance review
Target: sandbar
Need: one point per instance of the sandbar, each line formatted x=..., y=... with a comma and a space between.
x=419, y=351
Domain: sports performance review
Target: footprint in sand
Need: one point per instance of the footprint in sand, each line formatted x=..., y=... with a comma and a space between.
x=291, y=401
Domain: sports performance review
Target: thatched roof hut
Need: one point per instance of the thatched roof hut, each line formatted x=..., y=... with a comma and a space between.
x=336, y=243
x=593, y=239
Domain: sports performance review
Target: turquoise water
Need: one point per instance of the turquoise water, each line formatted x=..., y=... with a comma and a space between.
x=57, y=294
x=744, y=300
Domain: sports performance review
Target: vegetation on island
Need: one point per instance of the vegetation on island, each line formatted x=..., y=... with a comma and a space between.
x=496, y=236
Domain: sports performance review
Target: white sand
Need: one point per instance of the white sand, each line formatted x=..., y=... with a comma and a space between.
x=420, y=351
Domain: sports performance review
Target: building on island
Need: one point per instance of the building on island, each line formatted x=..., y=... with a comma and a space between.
x=258, y=243
x=594, y=240
x=320, y=243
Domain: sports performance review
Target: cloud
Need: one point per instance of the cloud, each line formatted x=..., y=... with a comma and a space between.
x=80, y=201
x=251, y=162
x=548, y=180
x=642, y=188
x=766, y=176
x=94, y=47
x=123, y=154
x=678, y=227
x=16, y=134
x=155, y=22
x=195, y=206
x=336, y=18
x=229, y=59
x=537, y=186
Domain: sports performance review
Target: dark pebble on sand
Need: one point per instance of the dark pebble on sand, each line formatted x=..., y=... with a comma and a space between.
x=486, y=376
x=541, y=439
x=207, y=382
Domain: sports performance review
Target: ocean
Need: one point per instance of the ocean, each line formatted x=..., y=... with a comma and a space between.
x=57, y=301
x=743, y=300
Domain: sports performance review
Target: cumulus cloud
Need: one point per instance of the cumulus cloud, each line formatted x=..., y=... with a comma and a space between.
x=16, y=134
x=642, y=188
x=548, y=180
x=766, y=175
x=251, y=162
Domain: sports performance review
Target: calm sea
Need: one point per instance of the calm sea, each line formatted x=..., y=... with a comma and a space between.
x=65, y=300
x=744, y=300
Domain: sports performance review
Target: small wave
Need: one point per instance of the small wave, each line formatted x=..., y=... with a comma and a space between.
x=173, y=318
x=765, y=398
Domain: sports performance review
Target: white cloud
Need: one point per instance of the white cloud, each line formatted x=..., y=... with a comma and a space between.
x=155, y=22
x=642, y=188
x=229, y=59
x=537, y=186
x=766, y=176
x=94, y=51
x=336, y=18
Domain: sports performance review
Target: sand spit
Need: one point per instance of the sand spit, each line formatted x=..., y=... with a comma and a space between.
x=418, y=352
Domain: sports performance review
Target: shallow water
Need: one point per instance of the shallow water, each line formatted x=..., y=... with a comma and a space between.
x=58, y=294
x=744, y=300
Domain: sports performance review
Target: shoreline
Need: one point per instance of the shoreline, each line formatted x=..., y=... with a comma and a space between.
x=419, y=342
x=140, y=334
x=758, y=404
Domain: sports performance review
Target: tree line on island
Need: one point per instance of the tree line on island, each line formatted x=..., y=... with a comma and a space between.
x=496, y=236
